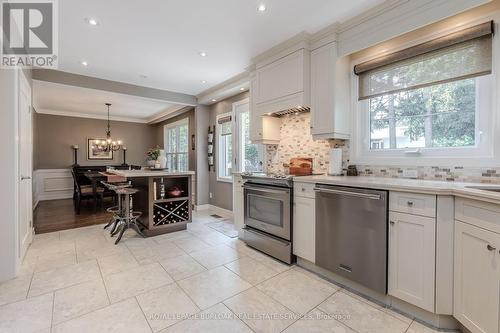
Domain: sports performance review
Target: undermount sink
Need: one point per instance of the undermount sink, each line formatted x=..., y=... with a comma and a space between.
x=485, y=188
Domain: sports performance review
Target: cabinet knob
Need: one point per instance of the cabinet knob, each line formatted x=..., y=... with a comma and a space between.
x=491, y=248
x=392, y=222
x=410, y=203
x=303, y=189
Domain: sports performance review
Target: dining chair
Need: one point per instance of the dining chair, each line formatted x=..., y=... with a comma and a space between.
x=84, y=192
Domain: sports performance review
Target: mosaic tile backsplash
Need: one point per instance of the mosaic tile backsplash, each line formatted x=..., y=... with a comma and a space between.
x=296, y=141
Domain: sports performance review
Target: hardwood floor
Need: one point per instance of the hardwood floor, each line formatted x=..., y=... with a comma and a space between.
x=56, y=215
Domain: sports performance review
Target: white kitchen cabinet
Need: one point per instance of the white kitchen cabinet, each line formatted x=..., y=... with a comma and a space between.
x=476, y=285
x=238, y=201
x=330, y=83
x=412, y=258
x=287, y=78
x=304, y=228
x=263, y=129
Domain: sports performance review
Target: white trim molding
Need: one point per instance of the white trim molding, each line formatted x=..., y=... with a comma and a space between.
x=216, y=209
x=52, y=184
x=90, y=115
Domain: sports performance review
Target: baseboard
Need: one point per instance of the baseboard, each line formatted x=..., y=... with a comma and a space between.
x=221, y=211
x=201, y=207
x=55, y=196
x=216, y=209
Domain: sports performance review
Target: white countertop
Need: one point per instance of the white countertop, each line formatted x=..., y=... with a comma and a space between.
x=409, y=185
x=149, y=173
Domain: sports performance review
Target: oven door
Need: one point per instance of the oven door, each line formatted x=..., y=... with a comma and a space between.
x=267, y=208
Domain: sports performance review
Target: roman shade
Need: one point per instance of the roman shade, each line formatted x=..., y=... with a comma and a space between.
x=225, y=125
x=457, y=56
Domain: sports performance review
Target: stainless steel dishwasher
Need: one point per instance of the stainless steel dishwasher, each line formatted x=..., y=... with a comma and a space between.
x=351, y=234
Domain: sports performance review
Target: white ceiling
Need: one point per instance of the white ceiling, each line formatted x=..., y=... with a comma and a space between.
x=161, y=39
x=66, y=100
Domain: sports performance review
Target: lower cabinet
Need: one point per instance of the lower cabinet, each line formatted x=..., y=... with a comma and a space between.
x=238, y=202
x=412, y=258
x=304, y=228
x=477, y=278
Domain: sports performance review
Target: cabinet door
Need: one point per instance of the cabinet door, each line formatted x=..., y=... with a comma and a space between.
x=238, y=201
x=322, y=89
x=304, y=228
x=281, y=78
x=476, y=285
x=412, y=258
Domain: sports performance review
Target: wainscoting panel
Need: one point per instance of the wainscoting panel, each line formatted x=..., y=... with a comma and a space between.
x=52, y=184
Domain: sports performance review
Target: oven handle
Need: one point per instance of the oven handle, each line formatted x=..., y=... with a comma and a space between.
x=265, y=189
x=349, y=193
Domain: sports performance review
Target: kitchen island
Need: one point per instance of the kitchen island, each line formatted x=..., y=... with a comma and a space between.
x=164, y=198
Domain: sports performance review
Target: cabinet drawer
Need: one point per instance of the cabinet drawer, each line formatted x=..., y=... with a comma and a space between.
x=304, y=190
x=412, y=203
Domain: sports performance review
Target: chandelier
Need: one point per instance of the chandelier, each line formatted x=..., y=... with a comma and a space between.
x=109, y=144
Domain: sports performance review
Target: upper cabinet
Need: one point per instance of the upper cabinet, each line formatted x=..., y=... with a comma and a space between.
x=283, y=83
x=330, y=94
x=263, y=129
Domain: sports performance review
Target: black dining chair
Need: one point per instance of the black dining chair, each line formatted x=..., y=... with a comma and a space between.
x=84, y=192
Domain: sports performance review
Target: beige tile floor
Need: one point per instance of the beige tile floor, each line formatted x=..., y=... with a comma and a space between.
x=197, y=280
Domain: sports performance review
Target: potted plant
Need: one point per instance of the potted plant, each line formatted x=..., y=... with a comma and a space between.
x=152, y=156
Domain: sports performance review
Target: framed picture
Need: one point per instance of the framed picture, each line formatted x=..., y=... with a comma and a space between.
x=96, y=155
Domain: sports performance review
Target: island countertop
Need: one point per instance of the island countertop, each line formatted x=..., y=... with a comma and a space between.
x=149, y=173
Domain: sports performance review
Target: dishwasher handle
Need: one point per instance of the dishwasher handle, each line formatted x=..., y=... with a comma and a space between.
x=349, y=193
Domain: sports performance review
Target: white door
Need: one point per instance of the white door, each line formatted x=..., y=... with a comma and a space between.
x=476, y=285
x=25, y=223
x=412, y=258
x=304, y=228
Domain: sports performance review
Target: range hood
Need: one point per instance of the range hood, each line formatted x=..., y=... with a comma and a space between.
x=289, y=112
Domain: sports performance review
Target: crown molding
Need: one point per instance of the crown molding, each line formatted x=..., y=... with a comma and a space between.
x=89, y=116
x=226, y=89
x=169, y=113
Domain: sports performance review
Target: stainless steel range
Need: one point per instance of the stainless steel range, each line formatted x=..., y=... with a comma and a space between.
x=268, y=214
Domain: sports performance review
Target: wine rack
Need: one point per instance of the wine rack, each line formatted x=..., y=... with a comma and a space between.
x=170, y=211
x=169, y=204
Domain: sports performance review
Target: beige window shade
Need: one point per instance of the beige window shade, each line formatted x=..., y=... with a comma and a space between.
x=225, y=125
x=464, y=54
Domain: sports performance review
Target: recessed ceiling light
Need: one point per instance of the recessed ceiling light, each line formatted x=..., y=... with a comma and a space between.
x=84, y=63
x=203, y=54
x=203, y=81
x=242, y=89
x=92, y=21
x=214, y=100
x=261, y=8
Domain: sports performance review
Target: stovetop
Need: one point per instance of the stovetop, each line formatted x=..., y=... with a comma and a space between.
x=275, y=179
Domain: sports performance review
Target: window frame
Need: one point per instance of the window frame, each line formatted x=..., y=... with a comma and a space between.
x=176, y=125
x=485, y=153
x=237, y=133
x=219, y=149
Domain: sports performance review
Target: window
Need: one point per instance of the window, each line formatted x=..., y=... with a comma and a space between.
x=225, y=147
x=429, y=101
x=249, y=156
x=176, y=138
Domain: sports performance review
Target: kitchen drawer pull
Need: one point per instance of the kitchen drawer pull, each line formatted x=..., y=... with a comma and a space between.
x=410, y=203
x=491, y=248
x=353, y=194
x=392, y=222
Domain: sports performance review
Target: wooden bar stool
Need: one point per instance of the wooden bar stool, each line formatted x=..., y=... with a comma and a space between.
x=128, y=217
x=115, y=210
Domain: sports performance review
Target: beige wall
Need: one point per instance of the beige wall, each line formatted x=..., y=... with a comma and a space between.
x=159, y=134
x=222, y=192
x=54, y=136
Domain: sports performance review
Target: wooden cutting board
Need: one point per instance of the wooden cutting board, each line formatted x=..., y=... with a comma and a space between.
x=301, y=166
